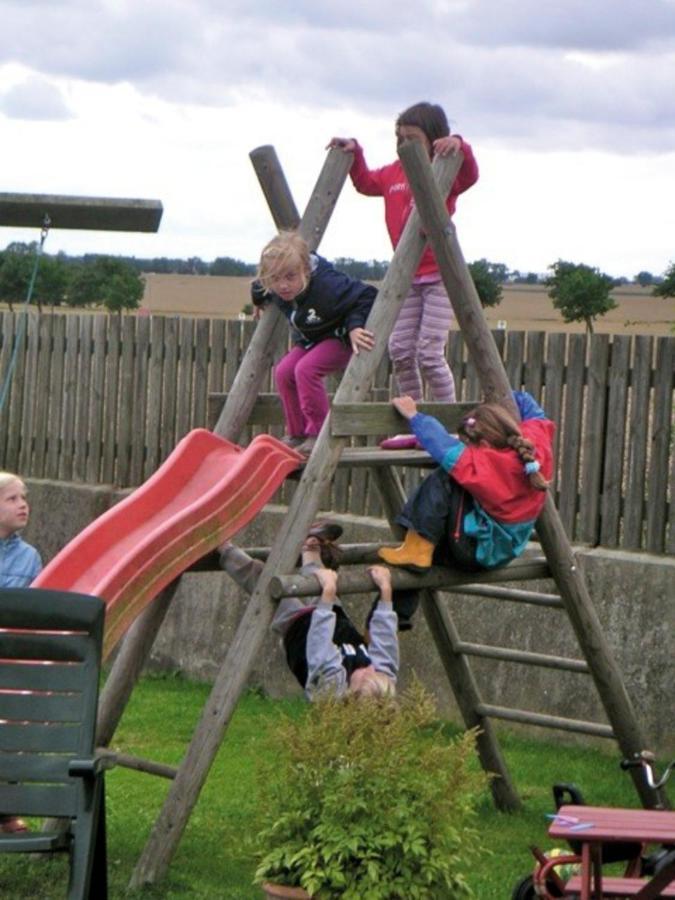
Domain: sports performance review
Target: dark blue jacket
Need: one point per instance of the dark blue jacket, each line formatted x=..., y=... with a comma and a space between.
x=331, y=305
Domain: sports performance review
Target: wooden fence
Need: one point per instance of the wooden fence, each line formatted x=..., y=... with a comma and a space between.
x=102, y=399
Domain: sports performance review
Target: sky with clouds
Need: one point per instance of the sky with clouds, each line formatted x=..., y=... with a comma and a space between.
x=569, y=106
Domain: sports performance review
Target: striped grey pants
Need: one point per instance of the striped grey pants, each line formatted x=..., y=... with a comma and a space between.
x=417, y=343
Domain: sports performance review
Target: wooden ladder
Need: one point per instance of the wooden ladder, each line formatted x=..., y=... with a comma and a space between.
x=429, y=188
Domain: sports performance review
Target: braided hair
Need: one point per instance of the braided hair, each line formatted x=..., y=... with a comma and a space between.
x=496, y=426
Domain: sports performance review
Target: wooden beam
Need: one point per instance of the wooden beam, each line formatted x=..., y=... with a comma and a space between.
x=494, y=382
x=526, y=717
x=381, y=418
x=438, y=578
x=83, y=213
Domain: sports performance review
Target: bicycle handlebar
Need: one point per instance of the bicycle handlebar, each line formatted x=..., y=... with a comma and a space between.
x=644, y=760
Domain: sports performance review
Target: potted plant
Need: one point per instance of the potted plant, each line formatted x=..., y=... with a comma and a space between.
x=368, y=799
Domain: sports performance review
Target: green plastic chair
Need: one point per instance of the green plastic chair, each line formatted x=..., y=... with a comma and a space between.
x=50, y=660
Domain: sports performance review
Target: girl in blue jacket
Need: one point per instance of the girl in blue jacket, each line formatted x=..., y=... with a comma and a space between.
x=327, y=312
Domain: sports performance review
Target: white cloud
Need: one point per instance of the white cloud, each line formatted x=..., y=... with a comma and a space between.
x=569, y=107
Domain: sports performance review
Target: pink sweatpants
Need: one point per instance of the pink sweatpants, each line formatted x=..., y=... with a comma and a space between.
x=299, y=378
x=417, y=343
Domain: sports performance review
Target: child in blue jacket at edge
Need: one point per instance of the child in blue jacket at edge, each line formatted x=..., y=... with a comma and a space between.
x=327, y=312
x=20, y=563
x=478, y=510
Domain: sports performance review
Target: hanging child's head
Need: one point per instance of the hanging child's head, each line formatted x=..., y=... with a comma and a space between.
x=496, y=426
x=284, y=267
x=13, y=504
x=427, y=118
x=367, y=682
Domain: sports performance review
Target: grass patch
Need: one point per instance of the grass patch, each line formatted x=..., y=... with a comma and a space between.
x=214, y=859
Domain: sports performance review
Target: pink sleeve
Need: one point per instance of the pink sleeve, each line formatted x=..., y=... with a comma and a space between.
x=468, y=174
x=365, y=180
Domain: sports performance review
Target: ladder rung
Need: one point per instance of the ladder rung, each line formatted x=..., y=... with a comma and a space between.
x=532, y=718
x=517, y=595
x=522, y=656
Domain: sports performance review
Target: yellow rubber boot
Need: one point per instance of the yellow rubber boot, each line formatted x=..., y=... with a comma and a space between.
x=414, y=553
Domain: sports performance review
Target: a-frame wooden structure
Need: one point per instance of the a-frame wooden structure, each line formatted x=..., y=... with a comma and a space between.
x=429, y=188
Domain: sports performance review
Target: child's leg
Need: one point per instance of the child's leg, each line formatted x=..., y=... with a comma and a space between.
x=426, y=510
x=403, y=345
x=435, y=324
x=326, y=357
x=285, y=378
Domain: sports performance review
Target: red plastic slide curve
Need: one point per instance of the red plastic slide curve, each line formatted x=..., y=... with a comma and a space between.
x=205, y=492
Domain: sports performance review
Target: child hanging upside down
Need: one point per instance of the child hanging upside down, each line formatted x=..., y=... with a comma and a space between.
x=478, y=510
x=324, y=649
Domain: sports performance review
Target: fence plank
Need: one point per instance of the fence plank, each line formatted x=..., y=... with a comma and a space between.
x=41, y=429
x=184, y=384
x=610, y=505
x=554, y=381
x=593, y=440
x=82, y=393
x=111, y=400
x=200, y=384
x=139, y=400
x=97, y=399
x=54, y=392
x=29, y=392
x=571, y=441
x=69, y=399
x=662, y=440
x=639, y=426
x=155, y=398
x=533, y=376
x=125, y=400
x=168, y=438
x=515, y=358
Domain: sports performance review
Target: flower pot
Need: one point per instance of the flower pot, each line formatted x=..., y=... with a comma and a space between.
x=283, y=892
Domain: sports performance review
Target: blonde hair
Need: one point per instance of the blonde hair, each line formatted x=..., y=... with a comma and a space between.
x=286, y=249
x=7, y=478
x=492, y=423
x=375, y=684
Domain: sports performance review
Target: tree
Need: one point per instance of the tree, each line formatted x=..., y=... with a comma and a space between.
x=644, y=279
x=17, y=264
x=106, y=281
x=580, y=292
x=488, y=284
x=667, y=287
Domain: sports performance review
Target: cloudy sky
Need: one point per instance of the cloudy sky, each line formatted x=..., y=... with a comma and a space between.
x=568, y=104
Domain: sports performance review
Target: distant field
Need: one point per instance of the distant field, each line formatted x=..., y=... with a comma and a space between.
x=523, y=308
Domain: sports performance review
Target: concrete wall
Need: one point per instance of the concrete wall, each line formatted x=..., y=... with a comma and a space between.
x=633, y=594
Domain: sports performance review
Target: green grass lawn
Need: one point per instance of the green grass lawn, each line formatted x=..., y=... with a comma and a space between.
x=214, y=859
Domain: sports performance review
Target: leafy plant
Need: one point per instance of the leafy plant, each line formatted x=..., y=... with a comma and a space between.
x=368, y=799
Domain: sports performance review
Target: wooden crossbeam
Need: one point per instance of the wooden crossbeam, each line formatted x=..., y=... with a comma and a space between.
x=83, y=213
x=362, y=419
x=438, y=578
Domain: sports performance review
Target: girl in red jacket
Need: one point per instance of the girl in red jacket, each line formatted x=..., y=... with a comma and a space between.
x=478, y=509
x=417, y=343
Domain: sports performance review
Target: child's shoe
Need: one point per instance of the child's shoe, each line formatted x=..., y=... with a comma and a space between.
x=415, y=553
x=401, y=442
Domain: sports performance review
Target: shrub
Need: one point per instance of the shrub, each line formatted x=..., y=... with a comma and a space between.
x=368, y=799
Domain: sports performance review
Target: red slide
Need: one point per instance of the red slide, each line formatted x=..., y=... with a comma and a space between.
x=205, y=492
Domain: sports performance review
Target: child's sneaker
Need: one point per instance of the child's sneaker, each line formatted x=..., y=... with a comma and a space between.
x=401, y=442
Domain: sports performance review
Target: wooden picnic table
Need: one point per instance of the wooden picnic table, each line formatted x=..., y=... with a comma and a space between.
x=593, y=826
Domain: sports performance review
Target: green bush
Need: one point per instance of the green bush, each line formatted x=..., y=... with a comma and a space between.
x=368, y=799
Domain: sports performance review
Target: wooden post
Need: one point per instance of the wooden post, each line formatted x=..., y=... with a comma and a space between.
x=483, y=351
x=250, y=634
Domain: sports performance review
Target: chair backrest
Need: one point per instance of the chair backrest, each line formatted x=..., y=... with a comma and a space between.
x=50, y=660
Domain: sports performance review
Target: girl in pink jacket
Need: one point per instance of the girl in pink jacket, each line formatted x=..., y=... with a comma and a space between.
x=417, y=343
